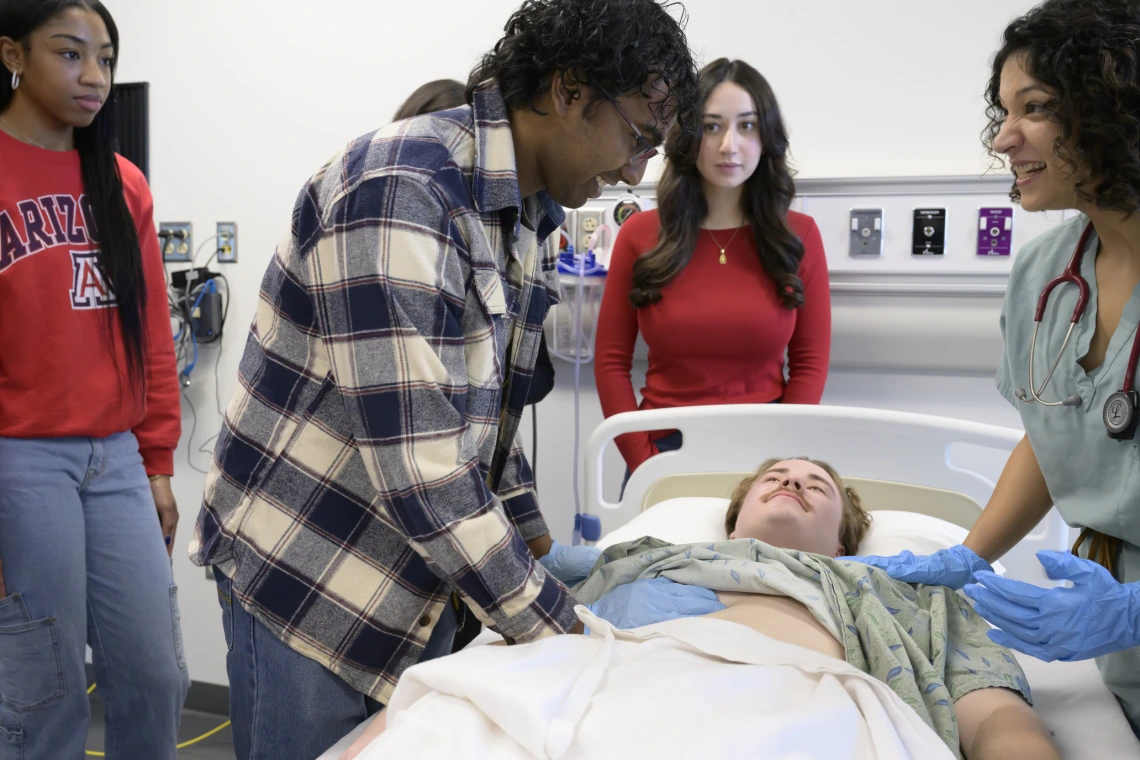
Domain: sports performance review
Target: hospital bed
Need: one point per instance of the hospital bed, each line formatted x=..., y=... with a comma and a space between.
x=928, y=476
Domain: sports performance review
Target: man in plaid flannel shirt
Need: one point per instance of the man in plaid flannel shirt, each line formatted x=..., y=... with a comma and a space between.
x=368, y=482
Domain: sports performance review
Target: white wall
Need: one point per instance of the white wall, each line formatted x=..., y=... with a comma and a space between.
x=249, y=98
x=878, y=88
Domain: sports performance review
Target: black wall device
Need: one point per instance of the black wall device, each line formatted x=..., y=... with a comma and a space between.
x=929, y=238
x=206, y=320
x=132, y=124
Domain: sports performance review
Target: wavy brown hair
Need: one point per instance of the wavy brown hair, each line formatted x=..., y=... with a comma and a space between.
x=767, y=196
x=1088, y=53
x=855, y=522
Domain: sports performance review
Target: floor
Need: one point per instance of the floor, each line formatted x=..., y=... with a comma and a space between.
x=217, y=747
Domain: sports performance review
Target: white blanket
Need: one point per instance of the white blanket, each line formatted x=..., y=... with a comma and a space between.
x=691, y=687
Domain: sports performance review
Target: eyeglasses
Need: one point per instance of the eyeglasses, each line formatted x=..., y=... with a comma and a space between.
x=645, y=150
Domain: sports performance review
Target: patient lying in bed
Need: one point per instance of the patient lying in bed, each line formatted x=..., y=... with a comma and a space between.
x=925, y=644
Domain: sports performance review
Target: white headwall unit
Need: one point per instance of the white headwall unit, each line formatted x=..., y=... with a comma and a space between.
x=829, y=202
x=899, y=312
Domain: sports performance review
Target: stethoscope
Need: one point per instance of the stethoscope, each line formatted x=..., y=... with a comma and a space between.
x=1120, y=416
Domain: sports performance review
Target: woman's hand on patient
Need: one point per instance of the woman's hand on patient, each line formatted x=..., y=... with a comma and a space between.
x=953, y=567
x=654, y=600
x=570, y=564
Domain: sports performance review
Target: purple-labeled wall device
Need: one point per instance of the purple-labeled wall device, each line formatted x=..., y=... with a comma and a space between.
x=995, y=231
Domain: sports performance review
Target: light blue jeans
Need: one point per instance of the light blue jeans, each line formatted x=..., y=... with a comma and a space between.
x=84, y=562
x=285, y=706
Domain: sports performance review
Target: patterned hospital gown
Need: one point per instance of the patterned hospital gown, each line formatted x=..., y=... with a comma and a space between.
x=926, y=643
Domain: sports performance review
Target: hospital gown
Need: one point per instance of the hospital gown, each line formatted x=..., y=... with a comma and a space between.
x=924, y=642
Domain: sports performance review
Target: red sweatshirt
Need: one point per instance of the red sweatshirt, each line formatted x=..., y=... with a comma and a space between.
x=60, y=375
x=719, y=333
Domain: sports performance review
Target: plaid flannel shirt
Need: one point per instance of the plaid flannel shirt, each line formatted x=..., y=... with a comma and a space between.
x=369, y=464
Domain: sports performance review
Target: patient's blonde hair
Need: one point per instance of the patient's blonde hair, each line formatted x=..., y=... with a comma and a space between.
x=855, y=523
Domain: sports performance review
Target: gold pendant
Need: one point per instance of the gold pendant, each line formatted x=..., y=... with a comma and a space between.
x=723, y=259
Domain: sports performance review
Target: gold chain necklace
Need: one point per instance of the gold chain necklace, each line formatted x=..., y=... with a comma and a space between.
x=19, y=136
x=723, y=258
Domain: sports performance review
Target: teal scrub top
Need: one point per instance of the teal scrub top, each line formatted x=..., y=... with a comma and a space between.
x=1092, y=478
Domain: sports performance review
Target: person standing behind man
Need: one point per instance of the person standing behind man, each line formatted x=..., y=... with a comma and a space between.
x=436, y=95
x=368, y=467
x=723, y=280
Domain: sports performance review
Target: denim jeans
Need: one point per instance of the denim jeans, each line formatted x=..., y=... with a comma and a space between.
x=285, y=706
x=84, y=562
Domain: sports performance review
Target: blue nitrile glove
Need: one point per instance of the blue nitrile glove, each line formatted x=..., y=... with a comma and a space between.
x=654, y=600
x=570, y=564
x=953, y=567
x=1098, y=615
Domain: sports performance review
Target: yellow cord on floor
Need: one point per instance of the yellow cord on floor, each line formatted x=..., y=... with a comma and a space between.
x=183, y=745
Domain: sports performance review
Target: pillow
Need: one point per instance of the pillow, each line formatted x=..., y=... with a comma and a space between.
x=892, y=532
x=684, y=520
x=693, y=519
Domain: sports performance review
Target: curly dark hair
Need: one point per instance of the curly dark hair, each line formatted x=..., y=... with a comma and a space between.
x=1088, y=53
x=613, y=47
x=767, y=196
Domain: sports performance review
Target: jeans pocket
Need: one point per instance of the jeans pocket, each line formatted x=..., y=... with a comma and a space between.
x=13, y=611
x=176, y=619
x=226, y=600
x=31, y=669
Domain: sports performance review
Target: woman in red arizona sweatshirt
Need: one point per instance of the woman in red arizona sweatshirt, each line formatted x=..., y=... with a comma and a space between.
x=723, y=281
x=89, y=403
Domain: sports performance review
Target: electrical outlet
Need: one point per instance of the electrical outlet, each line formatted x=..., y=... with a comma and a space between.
x=995, y=231
x=227, y=242
x=866, y=232
x=929, y=237
x=589, y=219
x=177, y=240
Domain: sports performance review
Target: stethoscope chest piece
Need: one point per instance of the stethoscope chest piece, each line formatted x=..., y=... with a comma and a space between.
x=1120, y=416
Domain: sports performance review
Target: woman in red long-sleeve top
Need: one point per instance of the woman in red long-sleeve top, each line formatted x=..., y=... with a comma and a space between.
x=723, y=281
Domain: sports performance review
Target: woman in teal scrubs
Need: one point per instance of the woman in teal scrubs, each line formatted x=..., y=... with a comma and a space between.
x=1064, y=109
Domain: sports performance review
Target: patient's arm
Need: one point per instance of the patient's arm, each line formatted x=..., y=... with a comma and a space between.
x=997, y=724
x=375, y=728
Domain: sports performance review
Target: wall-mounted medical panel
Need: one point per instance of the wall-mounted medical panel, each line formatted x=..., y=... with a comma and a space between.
x=829, y=202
